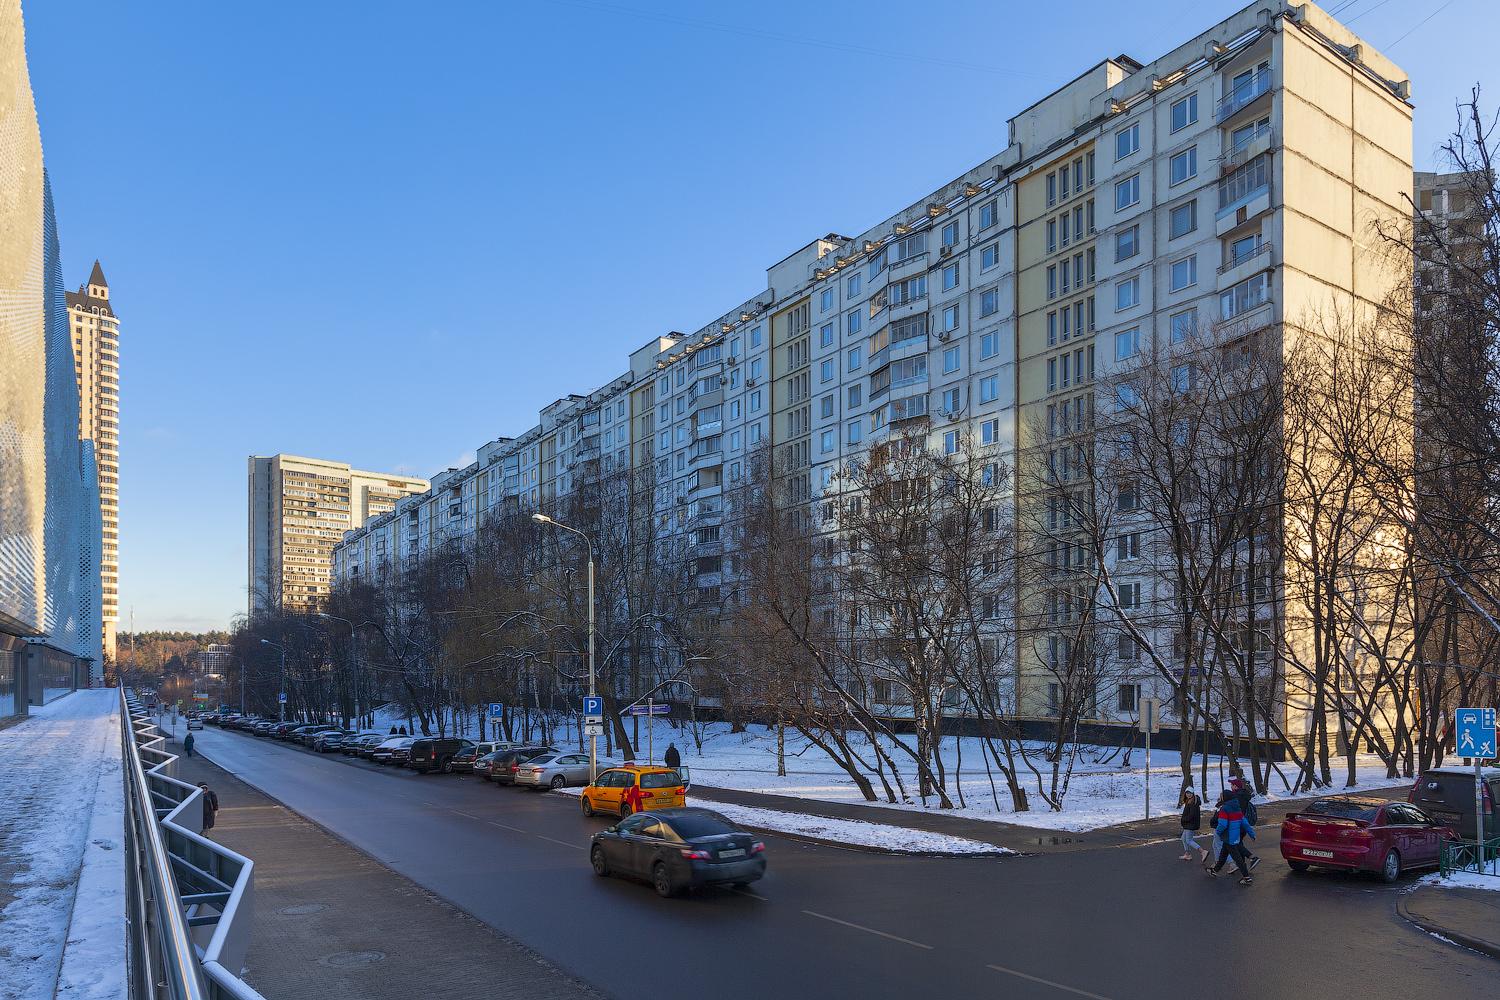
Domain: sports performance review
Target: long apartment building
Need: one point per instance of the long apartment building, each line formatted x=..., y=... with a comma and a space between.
x=299, y=509
x=1231, y=180
x=96, y=358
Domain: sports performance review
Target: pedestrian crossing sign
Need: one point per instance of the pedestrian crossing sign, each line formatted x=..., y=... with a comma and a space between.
x=1474, y=732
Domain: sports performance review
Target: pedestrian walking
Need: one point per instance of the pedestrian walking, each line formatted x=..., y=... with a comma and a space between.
x=210, y=806
x=187, y=744
x=672, y=758
x=1233, y=829
x=1245, y=798
x=1216, y=844
x=1192, y=822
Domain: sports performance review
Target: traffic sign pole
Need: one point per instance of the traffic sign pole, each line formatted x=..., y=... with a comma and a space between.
x=1476, y=738
x=1148, y=725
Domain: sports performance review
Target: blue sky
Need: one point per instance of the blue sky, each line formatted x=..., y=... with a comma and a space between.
x=450, y=214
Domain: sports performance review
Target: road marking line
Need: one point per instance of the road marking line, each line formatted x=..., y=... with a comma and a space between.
x=505, y=826
x=747, y=892
x=540, y=836
x=868, y=930
x=565, y=843
x=1047, y=982
x=470, y=815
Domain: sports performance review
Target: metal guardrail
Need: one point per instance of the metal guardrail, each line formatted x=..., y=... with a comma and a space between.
x=189, y=899
x=1465, y=856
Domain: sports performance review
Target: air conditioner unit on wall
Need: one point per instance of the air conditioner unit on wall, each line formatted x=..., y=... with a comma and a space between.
x=945, y=252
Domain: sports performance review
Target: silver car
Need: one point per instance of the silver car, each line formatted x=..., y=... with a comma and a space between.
x=554, y=770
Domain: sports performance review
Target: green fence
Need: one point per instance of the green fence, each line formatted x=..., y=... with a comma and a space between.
x=1465, y=856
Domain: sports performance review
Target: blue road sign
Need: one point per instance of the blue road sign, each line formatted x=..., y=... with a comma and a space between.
x=497, y=710
x=593, y=705
x=1474, y=732
x=281, y=697
x=648, y=710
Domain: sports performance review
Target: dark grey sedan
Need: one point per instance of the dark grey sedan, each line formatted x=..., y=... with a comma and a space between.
x=677, y=849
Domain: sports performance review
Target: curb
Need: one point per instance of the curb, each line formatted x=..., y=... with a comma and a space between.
x=1456, y=937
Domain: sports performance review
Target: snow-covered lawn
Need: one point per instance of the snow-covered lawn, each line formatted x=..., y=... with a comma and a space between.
x=1101, y=792
x=63, y=815
x=1464, y=880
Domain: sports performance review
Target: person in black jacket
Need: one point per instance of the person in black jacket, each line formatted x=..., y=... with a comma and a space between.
x=1192, y=822
x=1243, y=795
x=672, y=758
x=210, y=806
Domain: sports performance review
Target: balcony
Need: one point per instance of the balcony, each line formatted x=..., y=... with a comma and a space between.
x=1246, y=149
x=1244, y=95
x=1245, y=257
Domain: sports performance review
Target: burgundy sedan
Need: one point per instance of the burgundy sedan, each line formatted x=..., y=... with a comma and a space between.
x=1362, y=834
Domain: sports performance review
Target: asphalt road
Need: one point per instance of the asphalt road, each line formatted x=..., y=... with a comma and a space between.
x=1119, y=923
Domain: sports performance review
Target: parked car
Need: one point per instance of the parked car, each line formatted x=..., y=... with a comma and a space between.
x=483, y=765
x=331, y=739
x=364, y=746
x=383, y=753
x=1447, y=795
x=307, y=734
x=435, y=753
x=463, y=761
x=554, y=770
x=505, y=765
x=677, y=849
x=401, y=754
x=194, y=724
x=656, y=788
x=266, y=729
x=1362, y=834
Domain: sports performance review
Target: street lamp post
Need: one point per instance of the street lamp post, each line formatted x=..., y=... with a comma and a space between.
x=353, y=649
x=281, y=694
x=593, y=740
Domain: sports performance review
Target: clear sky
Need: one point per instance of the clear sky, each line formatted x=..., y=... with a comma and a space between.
x=384, y=233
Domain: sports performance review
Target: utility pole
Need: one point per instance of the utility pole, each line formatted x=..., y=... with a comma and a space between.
x=593, y=740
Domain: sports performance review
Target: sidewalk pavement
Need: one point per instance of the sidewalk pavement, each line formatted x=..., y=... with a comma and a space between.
x=332, y=922
x=1469, y=917
x=1019, y=838
x=62, y=851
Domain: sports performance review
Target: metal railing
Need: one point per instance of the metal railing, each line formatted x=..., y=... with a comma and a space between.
x=1465, y=856
x=1244, y=94
x=189, y=899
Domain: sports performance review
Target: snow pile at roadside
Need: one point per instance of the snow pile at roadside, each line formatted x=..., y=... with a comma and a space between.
x=1464, y=880
x=855, y=833
x=57, y=763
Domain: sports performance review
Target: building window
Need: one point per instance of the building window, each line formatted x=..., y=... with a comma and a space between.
x=1051, y=190
x=950, y=277
x=1127, y=243
x=989, y=432
x=854, y=321
x=1127, y=293
x=1127, y=140
x=1127, y=649
x=755, y=432
x=856, y=396
x=825, y=405
x=1130, y=694
x=989, y=345
x=1184, y=219
x=1183, y=325
x=856, y=358
x=1130, y=596
x=1052, y=327
x=1052, y=282
x=1127, y=192
x=950, y=234
x=755, y=337
x=1128, y=546
x=755, y=401
x=950, y=318
x=825, y=335
x=950, y=360
x=989, y=302
x=1184, y=112
x=989, y=389
x=909, y=247
x=825, y=301
x=1051, y=235
x=1184, y=165
x=1184, y=273
x=989, y=214
x=950, y=442
x=852, y=285
x=825, y=370
x=1127, y=343
x=1244, y=296
x=953, y=400
x=989, y=257
x=852, y=432
x=826, y=442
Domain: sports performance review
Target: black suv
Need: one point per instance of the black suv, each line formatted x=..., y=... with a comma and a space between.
x=434, y=753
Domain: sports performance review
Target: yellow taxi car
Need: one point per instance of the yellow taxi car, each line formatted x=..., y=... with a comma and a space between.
x=631, y=788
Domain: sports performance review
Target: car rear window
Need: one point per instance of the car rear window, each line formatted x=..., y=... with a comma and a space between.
x=545, y=758
x=1342, y=809
x=699, y=825
x=660, y=779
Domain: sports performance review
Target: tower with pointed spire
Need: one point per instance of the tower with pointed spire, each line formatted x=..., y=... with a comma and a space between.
x=96, y=359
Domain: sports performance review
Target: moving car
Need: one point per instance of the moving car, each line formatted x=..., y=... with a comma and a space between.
x=1447, y=795
x=677, y=849
x=383, y=751
x=194, y=724
x=1362, y=834
x=554, y=770
x=435, y=753
x=505, y=765
x=629, y=788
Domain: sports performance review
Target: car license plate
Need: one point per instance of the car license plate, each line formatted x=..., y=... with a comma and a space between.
x=738, y=852
x=1316, y=854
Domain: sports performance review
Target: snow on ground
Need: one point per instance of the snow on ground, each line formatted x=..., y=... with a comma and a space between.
x=1464, y=880
x=1101, y=792
x=57, y=765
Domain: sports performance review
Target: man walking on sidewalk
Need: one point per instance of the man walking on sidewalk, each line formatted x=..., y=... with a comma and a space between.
x=187, y=744
x=210, y=806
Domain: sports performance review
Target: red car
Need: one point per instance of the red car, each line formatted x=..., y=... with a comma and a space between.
x=1362, y=834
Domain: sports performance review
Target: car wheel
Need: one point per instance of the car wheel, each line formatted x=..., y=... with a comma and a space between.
x=1298, y=866
x=588, y=807
x=624, y=809
x=596, y=858
x=559, y=782
x=1390, y=869
x=661, y=881
x=447, y=767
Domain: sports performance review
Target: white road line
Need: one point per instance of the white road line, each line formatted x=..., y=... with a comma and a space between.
x=565, y=843
x=747, y=892
x=868, y=930
x=1047, y=982
x=539, y=836
x=505, y=826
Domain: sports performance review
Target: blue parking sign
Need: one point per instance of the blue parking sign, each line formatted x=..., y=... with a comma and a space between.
x=1474, y=732
x=593, y=705
x=497, y=711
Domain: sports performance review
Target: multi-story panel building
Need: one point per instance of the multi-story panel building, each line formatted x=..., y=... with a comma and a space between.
x=299, y=509
x=1229, y=183
x=96, y=358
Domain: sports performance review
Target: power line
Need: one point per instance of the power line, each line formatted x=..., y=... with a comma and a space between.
x=1441, y=7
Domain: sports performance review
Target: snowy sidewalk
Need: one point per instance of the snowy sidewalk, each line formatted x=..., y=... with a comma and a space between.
x=62, y=851
x=1464, y=908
